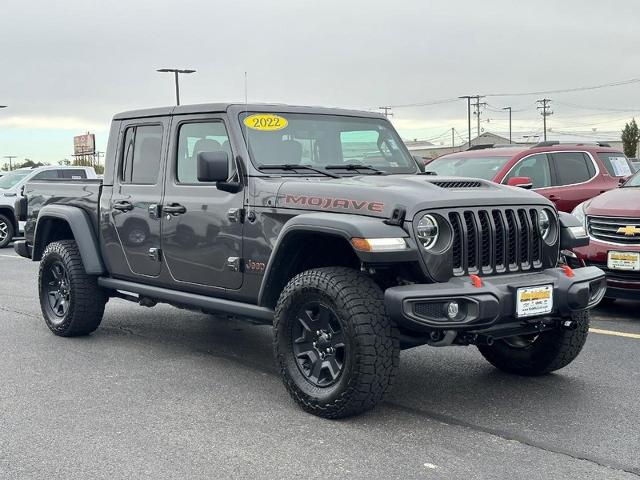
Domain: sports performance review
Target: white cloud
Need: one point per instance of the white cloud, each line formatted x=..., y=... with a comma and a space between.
x=34, y=122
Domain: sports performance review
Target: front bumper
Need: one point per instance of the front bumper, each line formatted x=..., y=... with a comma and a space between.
x=620, y=283
x=421, y=307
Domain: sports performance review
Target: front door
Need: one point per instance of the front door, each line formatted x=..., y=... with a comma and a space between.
x=201, y=230
x=136, y=197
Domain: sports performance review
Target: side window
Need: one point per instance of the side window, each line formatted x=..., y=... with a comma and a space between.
x=616, y=163
x=572, y=167
x=536, y=167
x=195, y=138
x=141, y=155
x=73, y=174
x=46, y=175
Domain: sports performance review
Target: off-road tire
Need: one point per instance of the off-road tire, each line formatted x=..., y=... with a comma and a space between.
x=86, y=300
x=372, y=357
x=551, y=350
x=7, y=225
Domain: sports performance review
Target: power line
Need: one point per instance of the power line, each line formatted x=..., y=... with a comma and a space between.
x=522, y=94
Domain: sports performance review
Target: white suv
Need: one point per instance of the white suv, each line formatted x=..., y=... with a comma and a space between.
x=11, y=184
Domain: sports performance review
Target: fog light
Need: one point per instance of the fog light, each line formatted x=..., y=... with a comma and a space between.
x=452, y=309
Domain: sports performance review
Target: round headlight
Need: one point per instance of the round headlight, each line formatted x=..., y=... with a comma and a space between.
x=427, y=231
x=544, y=224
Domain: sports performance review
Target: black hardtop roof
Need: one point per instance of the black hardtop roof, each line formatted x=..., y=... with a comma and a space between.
x=240, y=107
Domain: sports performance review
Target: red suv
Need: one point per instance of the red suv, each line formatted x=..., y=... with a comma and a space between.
x=567, y=174
x=612, y=220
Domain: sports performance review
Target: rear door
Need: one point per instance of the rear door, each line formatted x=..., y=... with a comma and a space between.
x=202, y=235
x=137, y=194
x=575, y=179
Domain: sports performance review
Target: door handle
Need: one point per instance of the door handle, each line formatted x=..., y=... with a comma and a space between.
x=174, y=209
x=553, y=198
x=123, y=206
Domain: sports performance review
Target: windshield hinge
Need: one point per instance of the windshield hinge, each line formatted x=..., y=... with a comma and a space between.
x=236, y=215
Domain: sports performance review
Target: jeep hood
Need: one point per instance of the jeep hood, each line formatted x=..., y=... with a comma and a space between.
x=379, y=195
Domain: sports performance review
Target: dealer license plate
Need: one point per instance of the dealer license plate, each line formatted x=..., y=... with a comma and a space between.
x=534, y=301
x=624, y=260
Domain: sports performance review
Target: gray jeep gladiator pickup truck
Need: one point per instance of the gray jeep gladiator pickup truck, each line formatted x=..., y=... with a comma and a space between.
x=319, y=222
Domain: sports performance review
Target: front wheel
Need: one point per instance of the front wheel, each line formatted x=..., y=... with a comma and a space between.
x=72, y=303
x=532, y=355
x=336, y=348
x=7, y=231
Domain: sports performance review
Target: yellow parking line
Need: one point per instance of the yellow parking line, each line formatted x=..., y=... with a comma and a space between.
x=616, y=334
x=10, y=256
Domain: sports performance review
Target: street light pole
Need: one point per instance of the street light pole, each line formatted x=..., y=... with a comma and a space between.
x=509, y=108
x=10, y=157
x=176, y=72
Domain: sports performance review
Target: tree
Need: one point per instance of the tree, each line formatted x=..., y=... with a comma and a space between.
x=630, y=138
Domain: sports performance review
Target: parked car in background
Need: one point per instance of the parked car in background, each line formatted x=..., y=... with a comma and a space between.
x=566, y=174
x=612, y=220
x=11, y=184
x=635, y=163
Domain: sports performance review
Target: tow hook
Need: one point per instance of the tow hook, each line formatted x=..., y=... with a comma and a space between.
x=442, y=339
x=569, y=324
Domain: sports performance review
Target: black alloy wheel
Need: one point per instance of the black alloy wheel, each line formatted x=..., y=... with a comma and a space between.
x=57, y=289
x=318, y=344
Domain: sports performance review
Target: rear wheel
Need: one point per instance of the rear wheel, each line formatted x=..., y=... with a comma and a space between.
x=337, y=349
x=538, y=354
x=71, y=301
x=7, y=231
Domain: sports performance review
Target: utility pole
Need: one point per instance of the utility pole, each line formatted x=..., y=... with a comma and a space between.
x=509, y=108
x=453, y=138
x=477, y=112
x=386, y=111
x=468, y=97
x=545, y=111
x=10, y=157
x=176, y=72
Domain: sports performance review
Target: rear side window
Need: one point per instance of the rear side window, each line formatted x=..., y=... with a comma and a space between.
x=572, y=167
x=46, y=175
x=616, y=164
x=75, y=174
x=536, y=167
x=141, y=154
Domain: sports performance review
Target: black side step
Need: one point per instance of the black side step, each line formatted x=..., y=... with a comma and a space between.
x=217, y=305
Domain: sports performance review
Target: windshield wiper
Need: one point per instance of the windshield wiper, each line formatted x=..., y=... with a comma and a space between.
x=355, y=166
x=293, y=167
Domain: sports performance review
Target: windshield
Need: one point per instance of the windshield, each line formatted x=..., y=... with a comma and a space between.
x=11, y=179
x=477, y=167
x=633, y=181
x=322, y=141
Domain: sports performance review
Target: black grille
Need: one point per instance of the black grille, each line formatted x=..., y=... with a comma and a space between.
x=459, y=184
x=491, y=241
x=615, y=229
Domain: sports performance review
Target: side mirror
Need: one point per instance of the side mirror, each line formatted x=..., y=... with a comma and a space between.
x=522, y=182
x=213, y=166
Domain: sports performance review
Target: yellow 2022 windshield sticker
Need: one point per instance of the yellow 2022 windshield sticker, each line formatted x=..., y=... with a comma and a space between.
x=266, y=122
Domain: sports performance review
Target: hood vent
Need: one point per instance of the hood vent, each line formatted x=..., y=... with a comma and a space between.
x=459, y=184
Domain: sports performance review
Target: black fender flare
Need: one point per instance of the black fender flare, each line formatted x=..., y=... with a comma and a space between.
x=80, y=224
x=345, y=226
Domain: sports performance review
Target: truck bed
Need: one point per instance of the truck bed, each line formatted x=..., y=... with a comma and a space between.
x=84, y=193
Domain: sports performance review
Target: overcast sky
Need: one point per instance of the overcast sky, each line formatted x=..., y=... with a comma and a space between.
x=67, y=66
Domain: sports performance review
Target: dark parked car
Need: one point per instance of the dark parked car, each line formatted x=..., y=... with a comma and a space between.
x=566, y=174
x=613, y=223
x=316, y=221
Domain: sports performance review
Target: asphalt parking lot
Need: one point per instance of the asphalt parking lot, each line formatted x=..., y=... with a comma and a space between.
x=165, y=393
